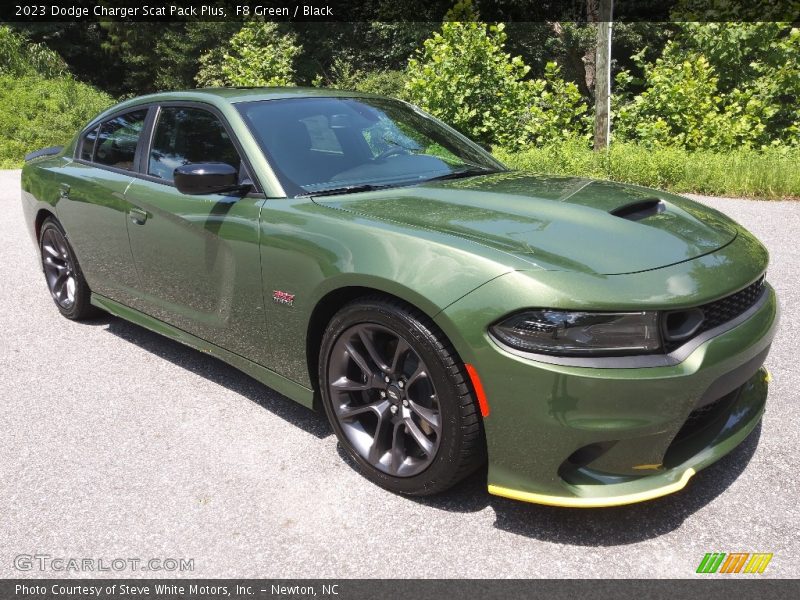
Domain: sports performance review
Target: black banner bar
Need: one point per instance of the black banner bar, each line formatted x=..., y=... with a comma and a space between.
x=712, y=587
x=394, y=10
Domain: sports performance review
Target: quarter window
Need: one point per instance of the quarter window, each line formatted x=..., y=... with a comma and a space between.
x=117, y=140
x=186, y=135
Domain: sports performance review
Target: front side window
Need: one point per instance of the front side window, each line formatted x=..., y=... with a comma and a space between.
x=326, y=144
x=186, y=135
x=117, y=140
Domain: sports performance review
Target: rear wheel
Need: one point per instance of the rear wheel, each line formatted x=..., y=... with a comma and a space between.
x=396, y=395
x=63, y=274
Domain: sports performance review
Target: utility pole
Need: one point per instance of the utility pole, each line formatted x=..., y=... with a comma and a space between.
x=602, y=81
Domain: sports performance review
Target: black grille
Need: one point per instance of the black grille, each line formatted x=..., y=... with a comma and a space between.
x=723, y=310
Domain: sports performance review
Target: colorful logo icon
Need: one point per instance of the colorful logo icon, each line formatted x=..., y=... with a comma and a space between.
x=734, y=562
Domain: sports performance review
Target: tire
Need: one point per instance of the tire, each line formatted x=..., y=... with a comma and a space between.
x=418, y=433
x=63, y=274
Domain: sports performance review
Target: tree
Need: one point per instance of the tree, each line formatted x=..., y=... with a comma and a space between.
x=717, y=86
x=680, y=106
x=43, y=104
x=79, y=44
x=258, y=55
x=758, y=73
x=602, y=80
x=20, y=57
x=343, y=75
x=463, y=75
x=554, y=110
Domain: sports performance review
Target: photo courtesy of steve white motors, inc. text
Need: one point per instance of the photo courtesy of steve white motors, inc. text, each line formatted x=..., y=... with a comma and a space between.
x=171, y=589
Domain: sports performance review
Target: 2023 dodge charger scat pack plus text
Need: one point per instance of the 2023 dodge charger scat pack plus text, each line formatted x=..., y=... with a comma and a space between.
x=595, y=343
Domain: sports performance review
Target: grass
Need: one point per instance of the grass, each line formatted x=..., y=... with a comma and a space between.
x=771, y=174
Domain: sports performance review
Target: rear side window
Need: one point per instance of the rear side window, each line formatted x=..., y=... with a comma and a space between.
x=186, y=135
x=117, y=140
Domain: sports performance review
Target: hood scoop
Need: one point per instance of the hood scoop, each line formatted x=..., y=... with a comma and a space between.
x=641, y=209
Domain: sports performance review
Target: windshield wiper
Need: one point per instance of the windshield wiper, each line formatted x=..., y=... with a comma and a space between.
x=345, y=189
x=463, y=173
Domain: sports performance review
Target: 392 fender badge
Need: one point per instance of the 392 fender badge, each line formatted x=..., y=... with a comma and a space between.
x=283, y=297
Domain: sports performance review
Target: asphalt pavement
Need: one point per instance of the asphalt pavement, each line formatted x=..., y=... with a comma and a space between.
x=118, y=443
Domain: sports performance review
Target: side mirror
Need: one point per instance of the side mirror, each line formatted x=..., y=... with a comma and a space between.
x=206, y=178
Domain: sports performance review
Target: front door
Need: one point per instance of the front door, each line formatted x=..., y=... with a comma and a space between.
x=197, y=256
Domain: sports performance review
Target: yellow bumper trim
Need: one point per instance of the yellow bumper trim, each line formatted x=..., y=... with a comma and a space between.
x=576, y=502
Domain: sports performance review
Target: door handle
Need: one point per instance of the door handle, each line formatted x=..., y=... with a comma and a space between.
x=137, y=216
x=63, y=190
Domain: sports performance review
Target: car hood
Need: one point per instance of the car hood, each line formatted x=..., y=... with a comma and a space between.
x=555, y=223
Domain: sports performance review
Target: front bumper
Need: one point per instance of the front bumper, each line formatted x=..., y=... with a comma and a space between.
x=588, y=437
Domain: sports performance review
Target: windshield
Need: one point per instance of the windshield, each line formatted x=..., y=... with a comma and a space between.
x=353, y=144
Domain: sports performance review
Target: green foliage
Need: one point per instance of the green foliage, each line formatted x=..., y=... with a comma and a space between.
x=680, y=105
x=39, y=112
x=258, y=55
x=81, y=45
x=769, y=174
x=463, y=76
x=210, y=73
x=181, y=48
x=717, y=86
x=709, y=106
x=385, y=83
x=42, y=105
x=343, y=76
x=722, y=11
x=759, y=73
x=20, y=57
x=554, y=110
x=461, y=11
x=159, y=56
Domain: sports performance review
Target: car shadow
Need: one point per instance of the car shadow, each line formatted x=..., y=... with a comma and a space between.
x=220, y=373
x=582, y=527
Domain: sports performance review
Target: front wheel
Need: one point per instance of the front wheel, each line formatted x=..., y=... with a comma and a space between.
x=396, y=395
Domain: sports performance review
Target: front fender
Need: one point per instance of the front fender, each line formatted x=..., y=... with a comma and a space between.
x=309, y=251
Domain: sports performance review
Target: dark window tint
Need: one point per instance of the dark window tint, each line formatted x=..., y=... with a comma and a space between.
x=87, y=144
x=116, y=143
x=188, y=135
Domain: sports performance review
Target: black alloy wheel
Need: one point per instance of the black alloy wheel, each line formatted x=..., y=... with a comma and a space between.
x=397, y=397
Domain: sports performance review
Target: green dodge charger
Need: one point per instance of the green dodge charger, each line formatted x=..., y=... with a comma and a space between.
x=595, y=343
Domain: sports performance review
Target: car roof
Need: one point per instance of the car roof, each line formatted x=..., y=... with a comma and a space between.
x=232, y=95
x=249, y=94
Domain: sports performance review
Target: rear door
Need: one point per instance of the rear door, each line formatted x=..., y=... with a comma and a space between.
x=92, y=205
x=197, y=256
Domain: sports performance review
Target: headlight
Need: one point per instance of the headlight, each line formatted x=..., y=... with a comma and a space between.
x=580, y=333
